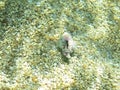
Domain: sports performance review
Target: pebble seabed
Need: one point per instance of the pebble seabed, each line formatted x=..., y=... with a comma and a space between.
x=29, y=35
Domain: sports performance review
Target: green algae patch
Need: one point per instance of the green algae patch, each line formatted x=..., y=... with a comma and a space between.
x=2, y=4
x=29, y=40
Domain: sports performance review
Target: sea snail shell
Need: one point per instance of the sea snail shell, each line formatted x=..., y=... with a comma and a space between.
x=70, y=44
